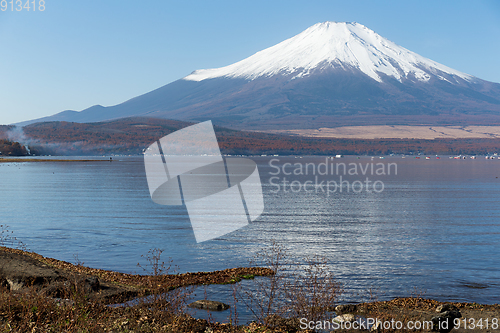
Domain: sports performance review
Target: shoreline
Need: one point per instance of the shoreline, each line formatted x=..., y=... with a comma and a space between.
x=22, y=160
x=126, y=286
x=23, y=273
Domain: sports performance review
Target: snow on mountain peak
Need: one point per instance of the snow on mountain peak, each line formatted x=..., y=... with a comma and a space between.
x=337, y=45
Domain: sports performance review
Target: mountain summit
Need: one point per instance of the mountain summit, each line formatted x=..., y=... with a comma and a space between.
x=333, y=45
x=332, y=74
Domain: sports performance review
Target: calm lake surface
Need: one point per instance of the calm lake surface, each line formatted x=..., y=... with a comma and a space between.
x=433, y=229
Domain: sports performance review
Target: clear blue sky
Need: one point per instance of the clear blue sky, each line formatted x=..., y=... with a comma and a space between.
x=76, y=54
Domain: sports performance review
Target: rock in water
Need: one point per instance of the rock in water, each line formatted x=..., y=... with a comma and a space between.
x=209, y=305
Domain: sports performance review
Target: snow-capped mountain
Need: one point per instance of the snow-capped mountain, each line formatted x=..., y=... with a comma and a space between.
x=335, y=45
x=331, y=74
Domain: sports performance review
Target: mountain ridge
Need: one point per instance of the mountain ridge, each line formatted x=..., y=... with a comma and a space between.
x=330, y=75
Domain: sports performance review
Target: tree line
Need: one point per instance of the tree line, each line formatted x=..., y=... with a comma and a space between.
x=131, y=136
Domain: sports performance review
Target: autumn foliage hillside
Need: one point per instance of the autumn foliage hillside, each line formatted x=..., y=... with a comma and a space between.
x=133, y=135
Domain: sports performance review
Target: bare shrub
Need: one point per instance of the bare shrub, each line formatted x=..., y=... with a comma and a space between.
x=8, y=240
x=312, y=291
x=304, y=289
x=233, y=311
x=30, y=311
x=417, y=293
x=171, y=300
x=265, y=299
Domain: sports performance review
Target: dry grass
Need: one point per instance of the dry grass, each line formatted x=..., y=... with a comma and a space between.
x=292, y=290
x=31, y=311
x=398, y=132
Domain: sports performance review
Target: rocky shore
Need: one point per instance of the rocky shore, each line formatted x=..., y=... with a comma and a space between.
x=470, y=317
x=42, y=294
x=20, y=270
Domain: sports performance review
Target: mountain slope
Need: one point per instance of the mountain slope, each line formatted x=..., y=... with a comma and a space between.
x=331, y=74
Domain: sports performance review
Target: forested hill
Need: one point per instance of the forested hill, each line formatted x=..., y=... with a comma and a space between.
x=133, y=135
x=9, y=148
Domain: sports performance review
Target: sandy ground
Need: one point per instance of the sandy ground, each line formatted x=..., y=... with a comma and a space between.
x=399, y=132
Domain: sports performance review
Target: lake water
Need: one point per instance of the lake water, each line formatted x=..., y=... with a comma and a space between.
x=431, y=226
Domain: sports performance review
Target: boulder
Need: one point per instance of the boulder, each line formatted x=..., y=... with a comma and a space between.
x=209, y=305
x=21, y=271
x=444, y=322
x=446, y=307
x=345, y=308
x=83, y=284
x=18, y=272
x=91, y=284
x=287, y=324
x=345, y=318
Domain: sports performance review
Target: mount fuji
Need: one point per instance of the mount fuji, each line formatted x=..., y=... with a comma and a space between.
x=332, y=74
